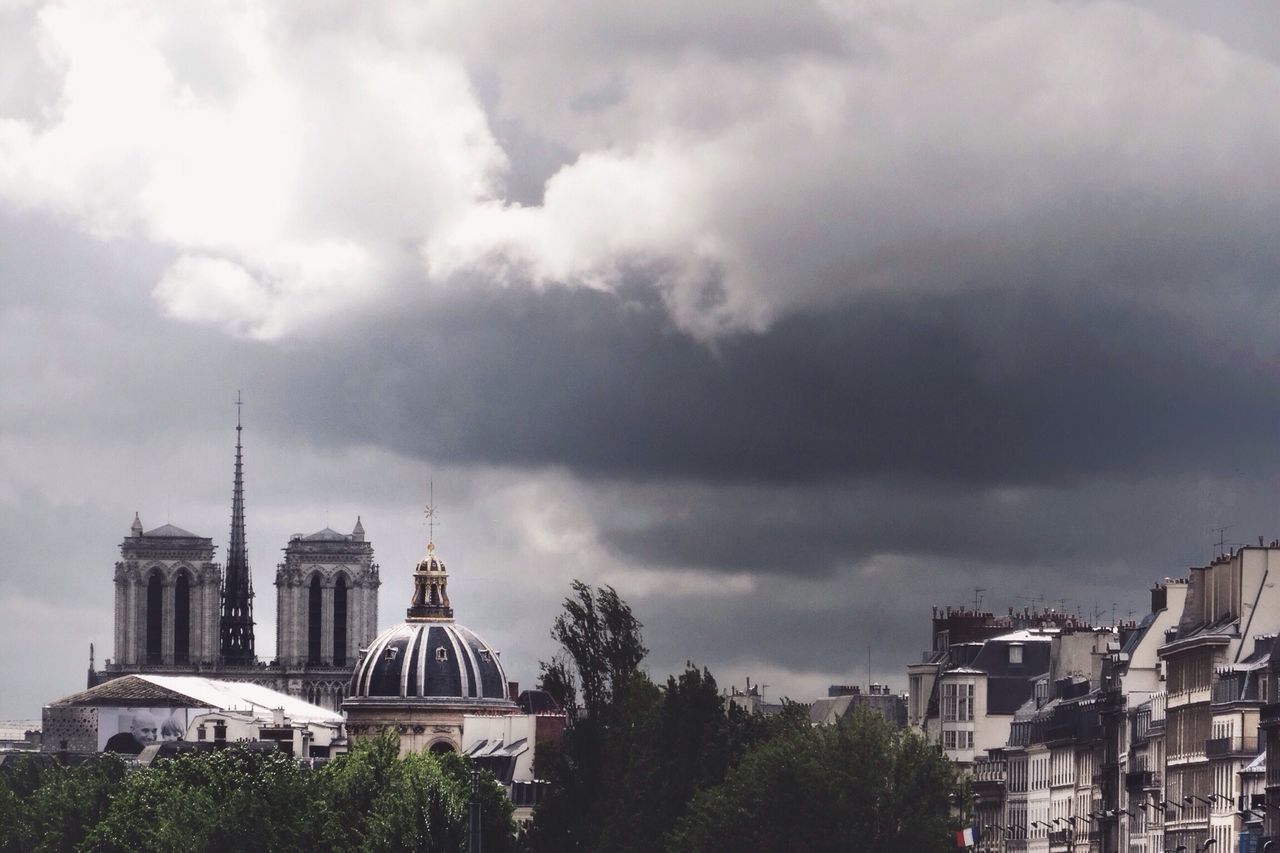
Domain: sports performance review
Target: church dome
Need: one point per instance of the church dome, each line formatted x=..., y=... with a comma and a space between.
x=430, y=660
x=430, y=656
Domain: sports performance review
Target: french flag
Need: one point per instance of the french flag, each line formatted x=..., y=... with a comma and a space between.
x=967, y=837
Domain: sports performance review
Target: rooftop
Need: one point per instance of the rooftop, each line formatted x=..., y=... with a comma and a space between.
x=172, y=531
x=190, y=691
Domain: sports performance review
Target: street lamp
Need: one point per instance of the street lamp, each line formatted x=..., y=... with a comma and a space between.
x=474, y=807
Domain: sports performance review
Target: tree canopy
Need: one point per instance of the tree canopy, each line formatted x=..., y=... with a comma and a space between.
x=237, y=799
x=644, y=768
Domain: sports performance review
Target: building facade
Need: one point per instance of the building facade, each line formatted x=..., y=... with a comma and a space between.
x=1148, y=738
x=168, y=594
x=177, y=612
x=326, y=611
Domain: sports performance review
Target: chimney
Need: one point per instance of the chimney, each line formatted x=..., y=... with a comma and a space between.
x=1159, y=598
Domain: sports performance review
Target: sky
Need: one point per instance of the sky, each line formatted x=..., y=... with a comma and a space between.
x=789, y=321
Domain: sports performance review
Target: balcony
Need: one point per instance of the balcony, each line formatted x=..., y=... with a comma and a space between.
x=989, y=771
x=1223, y=747
x=1060, y=839
x=1135, y=779
x=1228, y=690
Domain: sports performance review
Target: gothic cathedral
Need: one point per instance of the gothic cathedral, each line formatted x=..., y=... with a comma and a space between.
x=178, y=613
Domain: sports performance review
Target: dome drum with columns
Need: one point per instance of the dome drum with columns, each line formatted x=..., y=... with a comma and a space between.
x=420, y=677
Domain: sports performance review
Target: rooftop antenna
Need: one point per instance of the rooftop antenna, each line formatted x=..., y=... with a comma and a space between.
x=977, y=598
x=1222, y=537
x=868, y=668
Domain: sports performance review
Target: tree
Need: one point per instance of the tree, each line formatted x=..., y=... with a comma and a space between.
x=591, y=803
x=858, y=785
x=425, y=807
x=72, y=801
x=556, y=678
x=602, y=637
x=46, y=805
x=228, y=799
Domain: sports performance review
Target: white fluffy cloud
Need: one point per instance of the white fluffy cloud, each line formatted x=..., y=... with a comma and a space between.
x=750, y=161
x=930, y=148
x=292, y=170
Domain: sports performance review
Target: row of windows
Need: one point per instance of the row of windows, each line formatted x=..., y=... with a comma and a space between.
x=957, y=739
x=1192, y=670
x=1187, y=729
x=957, y=702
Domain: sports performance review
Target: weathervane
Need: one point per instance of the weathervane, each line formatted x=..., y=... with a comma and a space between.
x=431, y=513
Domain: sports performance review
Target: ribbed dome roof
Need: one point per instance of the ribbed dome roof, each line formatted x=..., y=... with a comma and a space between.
x=429, y=655
x=439, y=659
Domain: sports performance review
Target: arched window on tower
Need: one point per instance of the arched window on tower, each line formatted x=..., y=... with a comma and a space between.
x=182, y=619
x=314, y=618
x=340, y=622
x=155, y=618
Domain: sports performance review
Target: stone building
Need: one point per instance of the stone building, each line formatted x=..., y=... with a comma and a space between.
x=326, y=610
x=177, y=612
x=168, y=596
x=1150, y=741
x=1228, y=604
x=421, y=678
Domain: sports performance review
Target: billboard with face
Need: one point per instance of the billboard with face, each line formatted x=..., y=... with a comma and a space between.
x=128, y=730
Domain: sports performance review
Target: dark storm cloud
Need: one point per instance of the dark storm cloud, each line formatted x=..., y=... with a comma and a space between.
x=985, y=388
x=1153, y=526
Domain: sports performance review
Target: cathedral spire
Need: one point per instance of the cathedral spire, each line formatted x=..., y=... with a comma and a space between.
x=237, y=588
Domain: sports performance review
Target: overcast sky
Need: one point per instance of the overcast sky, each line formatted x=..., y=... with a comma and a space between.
x=788, y=320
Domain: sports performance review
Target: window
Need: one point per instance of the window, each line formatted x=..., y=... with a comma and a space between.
x=949, y=740
x=957, y=702
x=442, y=654
x=155, y=611
x=315, y=617
x=340, y=621
x=1015, y=653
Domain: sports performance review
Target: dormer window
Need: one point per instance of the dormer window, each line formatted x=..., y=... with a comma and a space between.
x=442, y=654
x=1015, y=653
x=390, y=654
x=485, y=656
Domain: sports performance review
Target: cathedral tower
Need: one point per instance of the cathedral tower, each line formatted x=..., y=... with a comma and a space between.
x=326, y=609
x=166, y=604
x=237, y=588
